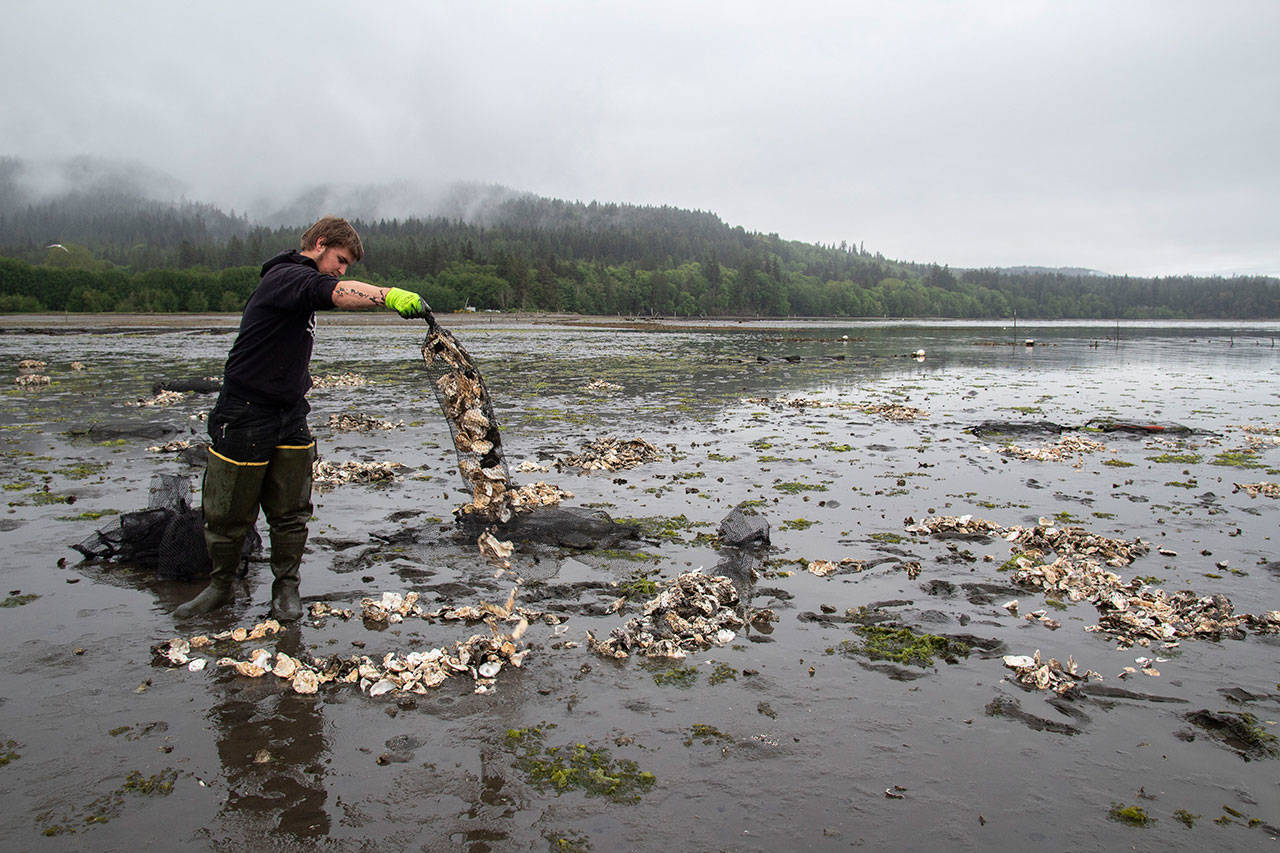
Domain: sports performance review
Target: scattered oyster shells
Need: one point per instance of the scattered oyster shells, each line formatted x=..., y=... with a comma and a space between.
x=27, y=380
x=30, y=364
x=597, y=385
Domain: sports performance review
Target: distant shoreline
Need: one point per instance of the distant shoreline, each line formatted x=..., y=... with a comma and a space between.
x=71, y=322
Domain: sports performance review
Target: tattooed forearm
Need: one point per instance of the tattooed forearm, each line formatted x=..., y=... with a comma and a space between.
x=356, y=295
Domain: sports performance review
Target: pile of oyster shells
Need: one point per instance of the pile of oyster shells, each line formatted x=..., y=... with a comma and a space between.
x=1066, y=447
x=611, y=454
x=325, y=473
x=600, y=385
x=26, y=380
x=827, y=568
x=338, y=380
x=161, y=398
x=358, y=422
x=894, y=411
x=801, y=403
x=694, y=612
x=1267, y=490
x=1062, y=679
x=174, y=446
x=954, y=525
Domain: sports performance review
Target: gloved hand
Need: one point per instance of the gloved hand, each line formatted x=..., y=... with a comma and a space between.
x=407, y=304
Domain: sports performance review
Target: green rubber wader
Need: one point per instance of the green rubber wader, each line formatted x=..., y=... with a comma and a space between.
x=286, y=503
x=230, y=501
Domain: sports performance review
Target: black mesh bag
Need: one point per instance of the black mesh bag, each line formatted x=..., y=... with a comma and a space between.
x=468, y=408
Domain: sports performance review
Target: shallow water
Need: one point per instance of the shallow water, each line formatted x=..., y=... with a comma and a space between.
x=798, y=747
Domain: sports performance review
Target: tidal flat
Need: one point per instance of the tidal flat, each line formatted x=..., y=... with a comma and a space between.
x=808, y=732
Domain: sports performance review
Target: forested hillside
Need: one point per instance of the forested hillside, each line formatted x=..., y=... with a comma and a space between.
x=109, y=246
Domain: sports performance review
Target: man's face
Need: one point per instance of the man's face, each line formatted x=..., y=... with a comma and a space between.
x=333, y=259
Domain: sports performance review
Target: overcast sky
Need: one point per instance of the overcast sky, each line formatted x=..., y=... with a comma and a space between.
x=1131, y=137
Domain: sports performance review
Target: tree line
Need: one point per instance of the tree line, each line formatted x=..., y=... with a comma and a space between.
x=534, y=254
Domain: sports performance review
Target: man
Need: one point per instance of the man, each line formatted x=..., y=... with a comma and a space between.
x=262, y=449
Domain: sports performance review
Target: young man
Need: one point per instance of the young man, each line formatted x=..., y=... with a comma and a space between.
x=262, y=448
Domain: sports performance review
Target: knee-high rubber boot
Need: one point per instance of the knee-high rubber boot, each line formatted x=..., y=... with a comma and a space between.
x=286, y=502
x=230, y=502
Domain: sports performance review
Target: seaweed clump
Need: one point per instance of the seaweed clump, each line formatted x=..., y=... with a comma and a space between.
x=576, y=767
x=902, y=645
x=1132, y=815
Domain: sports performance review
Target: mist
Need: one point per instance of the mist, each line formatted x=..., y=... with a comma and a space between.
x=1129, y=138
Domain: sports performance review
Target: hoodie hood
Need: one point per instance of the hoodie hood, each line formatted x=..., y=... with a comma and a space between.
x=293, y=256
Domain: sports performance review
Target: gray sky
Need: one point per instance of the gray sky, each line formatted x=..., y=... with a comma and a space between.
x=1132, y=137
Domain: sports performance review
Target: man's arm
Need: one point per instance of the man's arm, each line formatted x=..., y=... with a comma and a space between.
x=352, y=295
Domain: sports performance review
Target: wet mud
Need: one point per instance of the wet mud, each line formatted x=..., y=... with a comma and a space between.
x=860, y=698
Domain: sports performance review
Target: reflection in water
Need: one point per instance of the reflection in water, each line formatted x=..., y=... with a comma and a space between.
x=272, y=749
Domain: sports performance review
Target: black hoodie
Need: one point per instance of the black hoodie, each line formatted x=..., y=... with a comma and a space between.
x=269, y=360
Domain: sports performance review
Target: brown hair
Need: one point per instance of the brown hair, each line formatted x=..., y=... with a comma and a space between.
x=335, y=231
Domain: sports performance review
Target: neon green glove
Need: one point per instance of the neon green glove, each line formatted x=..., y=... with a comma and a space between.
x=406, y=303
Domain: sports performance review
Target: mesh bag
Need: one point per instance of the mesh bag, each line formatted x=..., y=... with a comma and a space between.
x=167, y=536
x=467, y=407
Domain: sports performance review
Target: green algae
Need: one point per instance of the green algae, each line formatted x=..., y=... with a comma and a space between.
x=1186, y=818
x=902, y=645
x=1177, y=458
x=19, y=600
x=706, y=734
x=680, y=676
x=1237, y=459
x=1131, y=815
x=795, y=487
x=722, y=673
x=576, y=767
